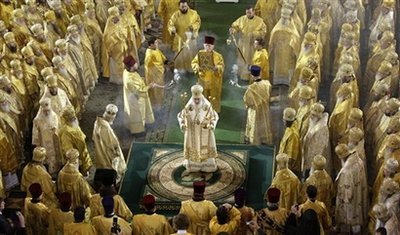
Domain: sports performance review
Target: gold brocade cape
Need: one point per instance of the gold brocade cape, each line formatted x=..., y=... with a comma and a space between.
x=289, y=185
x=258, y=125
x=71, y=181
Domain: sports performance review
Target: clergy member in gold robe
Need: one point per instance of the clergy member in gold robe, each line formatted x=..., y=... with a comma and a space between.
x=321, y=179
x=137, y=106
x=36, y=212
x=290, y=142
x=209, y=65
x=70, y=180
x=103, y=223
x=45, y=133
x=117, y=44
x=198, y=121
x=261, y=58
x=381, y=49
x=284, y=47
x=270, y=12
x=35, y=172
x=199, y=210
x=71, y=136
x=150, y=222
x=247, y=28
x=287, y=182
x=60, y=216
x=319, y=207
x=79, y=226
x=94, y=33
x=272, y=219
x=154, y=72
x=352, y=190
x=184, y=27
x=257, y=99
x=106, y=144
x=316, y=140
x=226, y=220
x=165, y=10
x=339, y=117
x=58, y=97
x=107, y=189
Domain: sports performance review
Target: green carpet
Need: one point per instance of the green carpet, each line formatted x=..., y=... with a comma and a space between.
x=258, y=160
x=216, y=19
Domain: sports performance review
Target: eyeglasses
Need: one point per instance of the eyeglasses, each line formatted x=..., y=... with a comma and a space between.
x=111, y=113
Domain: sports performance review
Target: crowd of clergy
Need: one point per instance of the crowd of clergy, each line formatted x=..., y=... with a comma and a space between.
x=337, y=165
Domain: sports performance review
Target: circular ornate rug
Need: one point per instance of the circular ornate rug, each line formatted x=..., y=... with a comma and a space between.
x=169, y=181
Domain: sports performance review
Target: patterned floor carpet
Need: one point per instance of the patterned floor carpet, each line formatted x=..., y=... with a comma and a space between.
x=157, y=169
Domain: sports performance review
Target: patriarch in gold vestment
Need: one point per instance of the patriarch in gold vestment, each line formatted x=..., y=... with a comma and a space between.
x=198, y=121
